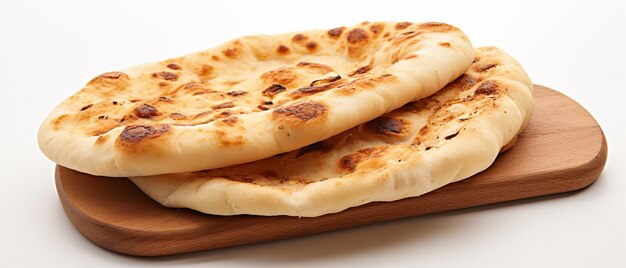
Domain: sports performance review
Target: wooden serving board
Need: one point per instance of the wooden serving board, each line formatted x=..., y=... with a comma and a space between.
x=562, y=149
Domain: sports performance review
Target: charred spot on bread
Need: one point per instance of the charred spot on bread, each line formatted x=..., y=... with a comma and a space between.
x=146, y=111
x=335, y=32
x=320, y=85
x=237, y=93
x=228, y=104
x=166, y=75
x=377, y=28
x=464, y=82
x=282, y=49
x=357, y=35
x=178, y=116
x=311, y=45
x=351, y=161
x=173, y=66
x=273, y=90
x=451, y=136
x=303, y=111
x=361, y=70
x=137, y=133
x=112, y=75
x=385, y=125
x=488, y=87
x=231, y=53
x=325, y=80
x=402, y=25
x=117, y=79
x=299, y=38
x=86, y=107
x=205, y=70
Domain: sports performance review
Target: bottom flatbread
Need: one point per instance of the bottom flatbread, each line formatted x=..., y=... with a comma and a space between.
x=408, y=152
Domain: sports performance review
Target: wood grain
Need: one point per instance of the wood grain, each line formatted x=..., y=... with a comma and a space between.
x=562, y=149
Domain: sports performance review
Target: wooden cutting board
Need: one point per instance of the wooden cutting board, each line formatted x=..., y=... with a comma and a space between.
x=562, y=149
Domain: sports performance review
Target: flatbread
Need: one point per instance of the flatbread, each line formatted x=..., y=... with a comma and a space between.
x=250, y=98
x=420, y=147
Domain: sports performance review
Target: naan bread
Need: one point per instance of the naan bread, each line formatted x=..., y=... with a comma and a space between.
x=420, y=147
x=249, y=99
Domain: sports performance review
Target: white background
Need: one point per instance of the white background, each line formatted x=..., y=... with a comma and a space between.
x=50, y=49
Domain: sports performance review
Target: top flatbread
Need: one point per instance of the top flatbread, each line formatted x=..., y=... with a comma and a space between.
x=420, y=147
x=250, y=98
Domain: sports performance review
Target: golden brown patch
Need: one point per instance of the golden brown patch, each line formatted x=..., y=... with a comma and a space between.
x=101, y=139
x=488, y=87
x=361, y=70
x=377, y=28
x=146, y=111
x=464, y=82
x=228, y=104
x=232, y=83
x=200, y=92
x=165, y=99
x=326, y=80
x=410, y=56
x=166, y=75
x=336, y=32
x=178, y=116
x=202, y=114
x=304, y=111
x=228, y=140
x=231, y=53
x=384, y=78
x=436, y=27
x=311, y=45
x=402, y=25
x=351, y=161
x=282, y=50
x=173, y=66
x=237, y=93
x=299, y=38
x=59, y=120
x=385, y=125
x=322, y=68
x=445, y=44
x=227, y=122
x=283, y=76
x=357, y=40
x=215, y=58
x=320, y=85
x=357, y=35
x=191, y=85
x=265, y=107
x=224, y=114
x=116, y=79
x=273, y=90
x=205, y=70
x=484, y=67
x=137, y=133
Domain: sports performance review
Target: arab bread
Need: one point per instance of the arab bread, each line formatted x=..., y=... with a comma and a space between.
x=250, y=98
x=408, y=152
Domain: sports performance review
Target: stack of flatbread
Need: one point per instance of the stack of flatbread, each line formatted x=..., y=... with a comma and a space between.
x=301, y=124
